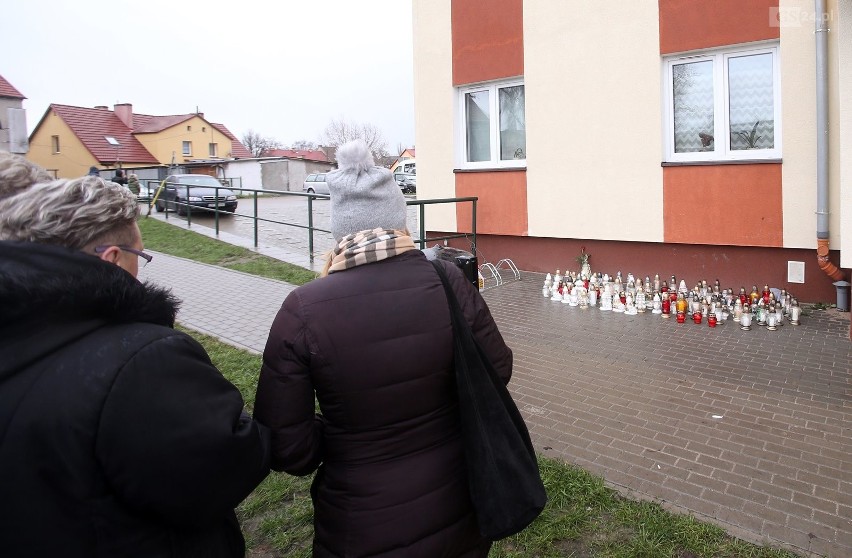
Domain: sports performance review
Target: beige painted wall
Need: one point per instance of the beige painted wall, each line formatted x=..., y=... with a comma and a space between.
x=798, y=117
x=73, y=159
x=434, y=109
x=594, y=132
x=842, y=26
x=163, y=144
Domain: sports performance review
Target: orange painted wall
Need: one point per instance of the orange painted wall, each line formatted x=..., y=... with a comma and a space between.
x=737, y=205
x=502, y=205
x=694, y=24
x=488, y=40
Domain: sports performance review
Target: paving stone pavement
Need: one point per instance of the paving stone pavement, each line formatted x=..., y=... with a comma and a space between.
x=749, y=430
x=233, y=306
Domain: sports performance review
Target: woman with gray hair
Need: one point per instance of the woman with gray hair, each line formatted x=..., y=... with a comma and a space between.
x=119, y=436
x=17, y=173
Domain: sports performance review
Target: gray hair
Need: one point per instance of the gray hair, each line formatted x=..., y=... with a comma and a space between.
x=75, y=213
x=17, y=173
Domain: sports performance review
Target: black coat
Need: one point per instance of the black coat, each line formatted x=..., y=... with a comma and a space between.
x=375, y=344
x=118, y=437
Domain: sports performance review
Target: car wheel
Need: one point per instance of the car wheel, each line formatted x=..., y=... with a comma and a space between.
x=160, y=207
x=310, y=190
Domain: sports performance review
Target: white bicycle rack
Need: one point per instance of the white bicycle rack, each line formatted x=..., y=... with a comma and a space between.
x=490, y=274
x=508, y=265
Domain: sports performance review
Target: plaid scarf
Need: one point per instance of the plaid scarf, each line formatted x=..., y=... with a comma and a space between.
x=365, y=247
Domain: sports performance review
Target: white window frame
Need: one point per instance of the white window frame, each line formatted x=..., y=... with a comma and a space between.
x=186, y=148
x=721, y=124
x=494, y=162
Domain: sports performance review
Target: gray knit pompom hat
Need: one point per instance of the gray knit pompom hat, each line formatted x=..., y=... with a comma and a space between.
x=363, y=196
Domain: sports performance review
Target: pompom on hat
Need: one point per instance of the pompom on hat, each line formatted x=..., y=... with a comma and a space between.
x=363, y=196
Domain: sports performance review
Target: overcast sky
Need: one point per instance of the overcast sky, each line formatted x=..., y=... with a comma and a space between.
x=283, y=68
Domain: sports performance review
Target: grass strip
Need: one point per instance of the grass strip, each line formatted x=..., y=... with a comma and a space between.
x=175, y=241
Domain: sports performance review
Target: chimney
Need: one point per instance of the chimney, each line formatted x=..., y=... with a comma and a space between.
x=124, y=112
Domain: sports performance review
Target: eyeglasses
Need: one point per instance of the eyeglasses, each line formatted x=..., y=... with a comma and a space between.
x=140, y=253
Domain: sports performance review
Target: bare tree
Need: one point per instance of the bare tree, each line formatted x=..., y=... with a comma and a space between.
x=303, y=145
x=340, y=131
x=258, y=144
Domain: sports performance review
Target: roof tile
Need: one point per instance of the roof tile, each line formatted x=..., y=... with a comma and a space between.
x=307, y=154
x=8, y=90
x=238, y=150
x=92, y=125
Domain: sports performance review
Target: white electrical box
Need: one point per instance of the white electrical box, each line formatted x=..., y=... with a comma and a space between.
x=795, y=272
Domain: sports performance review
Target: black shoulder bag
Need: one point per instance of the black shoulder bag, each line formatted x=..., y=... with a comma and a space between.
x=505, y=484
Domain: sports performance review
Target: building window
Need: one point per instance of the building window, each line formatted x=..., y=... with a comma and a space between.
x=187, y=148
x=54, y=143
x=723, y=106
x=492, y=125
x=204, y=128
x=214, y=150
x=189, y=128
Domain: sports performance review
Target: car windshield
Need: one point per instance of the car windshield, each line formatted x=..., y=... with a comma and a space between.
x=200, y=180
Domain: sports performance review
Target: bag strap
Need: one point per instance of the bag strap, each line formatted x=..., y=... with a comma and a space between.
x=456, y=313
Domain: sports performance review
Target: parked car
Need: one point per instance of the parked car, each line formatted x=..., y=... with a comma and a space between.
x=204, y=192
x=146, y=192
x=407, y=182
x=315, y=184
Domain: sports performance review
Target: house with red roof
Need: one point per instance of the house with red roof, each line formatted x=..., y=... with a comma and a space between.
x=407, y=155
x=317, y=155
x=68, y=140
x=13, y=119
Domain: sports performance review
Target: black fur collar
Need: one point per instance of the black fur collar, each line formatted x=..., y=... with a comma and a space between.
x=43, y=280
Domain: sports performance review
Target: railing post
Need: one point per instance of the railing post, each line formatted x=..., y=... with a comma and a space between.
x=473, y=226
x=216, y=209
x=310, y=227
x=421, y=225
x=188, y=209
x=255, y=218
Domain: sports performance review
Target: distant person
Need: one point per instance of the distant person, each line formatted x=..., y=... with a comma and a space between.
x=17, y=173
x=119, y=177
x=93, y=171
x=133, y=183
x=119, y=437
x=373, y=340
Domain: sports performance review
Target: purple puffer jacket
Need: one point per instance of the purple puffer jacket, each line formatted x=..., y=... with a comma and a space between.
x=375, y=344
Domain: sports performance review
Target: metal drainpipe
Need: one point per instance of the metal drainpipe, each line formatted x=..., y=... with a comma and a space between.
x=822, y=142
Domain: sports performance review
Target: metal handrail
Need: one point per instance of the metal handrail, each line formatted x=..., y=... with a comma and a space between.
x=422, y=240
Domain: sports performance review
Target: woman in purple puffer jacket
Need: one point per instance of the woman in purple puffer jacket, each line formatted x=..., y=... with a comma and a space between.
x=372, y=340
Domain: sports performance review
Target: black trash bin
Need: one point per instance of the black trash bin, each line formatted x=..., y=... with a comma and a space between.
x=842, y=295
x=470, y=268
x=464, y=260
